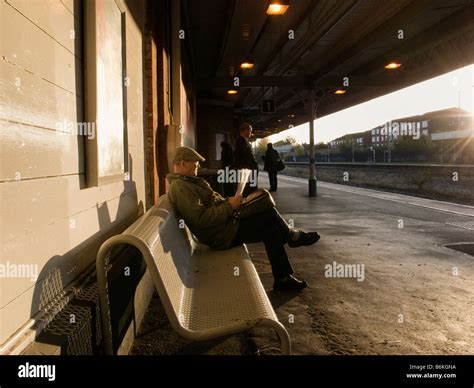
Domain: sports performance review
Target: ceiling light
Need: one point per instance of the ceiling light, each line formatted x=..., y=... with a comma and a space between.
x=247, y=65
x=277, y=7
x=393, y=65
x=232, y=91
x=340, y=91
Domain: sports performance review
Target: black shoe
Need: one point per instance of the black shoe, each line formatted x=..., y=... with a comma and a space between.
x=291, y=282
x=306, y=238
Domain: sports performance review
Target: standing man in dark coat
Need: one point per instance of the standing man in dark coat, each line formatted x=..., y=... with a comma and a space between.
x=243, y=156
x=271, y=166
x=227, y=160
x=227, y=155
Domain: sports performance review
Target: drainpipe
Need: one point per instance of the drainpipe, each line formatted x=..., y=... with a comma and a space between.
x=312, y=172
x=176, y=68
x=175, y=129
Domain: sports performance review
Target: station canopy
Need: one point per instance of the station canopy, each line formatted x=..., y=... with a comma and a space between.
x=320, y=47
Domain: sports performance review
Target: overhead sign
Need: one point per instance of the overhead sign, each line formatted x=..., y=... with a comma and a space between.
x=268, y=106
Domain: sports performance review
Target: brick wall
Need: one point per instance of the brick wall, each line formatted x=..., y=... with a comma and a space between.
x=151, y=83
x=162, y=83
x=211, y=120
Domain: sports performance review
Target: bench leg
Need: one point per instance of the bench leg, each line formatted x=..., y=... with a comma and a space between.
x=285, y=342
x=104, y=299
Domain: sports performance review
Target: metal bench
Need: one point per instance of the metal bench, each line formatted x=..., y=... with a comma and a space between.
x=206, y=294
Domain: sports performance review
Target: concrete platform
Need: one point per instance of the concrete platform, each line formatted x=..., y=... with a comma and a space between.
x=416, y=296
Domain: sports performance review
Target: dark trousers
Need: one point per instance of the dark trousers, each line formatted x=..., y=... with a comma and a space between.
x=271, y=228
x=229, y=189
x=272, y=176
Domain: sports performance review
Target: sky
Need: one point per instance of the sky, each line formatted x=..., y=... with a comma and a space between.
x=446, y=91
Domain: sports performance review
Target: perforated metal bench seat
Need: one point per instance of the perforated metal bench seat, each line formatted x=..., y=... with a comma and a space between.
x=205, y=293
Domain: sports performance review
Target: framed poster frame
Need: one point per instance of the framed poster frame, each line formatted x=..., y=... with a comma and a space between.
x=105, y=94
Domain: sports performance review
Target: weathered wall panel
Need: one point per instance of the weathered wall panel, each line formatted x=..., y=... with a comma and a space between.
x=49, y=217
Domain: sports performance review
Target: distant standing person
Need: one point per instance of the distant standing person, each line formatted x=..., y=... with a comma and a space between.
x=244, y=157
x=271, y=166
x=227, y=155
x=227, y=160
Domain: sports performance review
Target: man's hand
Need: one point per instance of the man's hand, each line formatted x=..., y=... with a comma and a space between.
x=235, y=201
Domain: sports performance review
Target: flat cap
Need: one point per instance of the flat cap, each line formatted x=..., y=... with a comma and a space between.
x=187, y=154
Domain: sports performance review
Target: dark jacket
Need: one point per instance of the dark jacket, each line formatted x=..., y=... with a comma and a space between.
x=271, y=160
x=227, y=155
x=243, y=156
x=206, y=213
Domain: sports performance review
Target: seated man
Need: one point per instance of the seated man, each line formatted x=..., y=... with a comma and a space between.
x=210, y=217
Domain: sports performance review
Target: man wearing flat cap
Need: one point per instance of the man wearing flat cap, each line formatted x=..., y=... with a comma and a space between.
x=210, y=217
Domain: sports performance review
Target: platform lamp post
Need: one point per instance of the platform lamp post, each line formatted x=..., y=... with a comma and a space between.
x=390, y=146
x=312, y=173
x=352, y=141
x=312, y=106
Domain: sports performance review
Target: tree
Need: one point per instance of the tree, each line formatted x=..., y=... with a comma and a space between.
x=261, y=149
x=321, y=146
x=287, y=140
x=345, y=150
x=299, y=150
x=262, y=145
x=412, y=149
